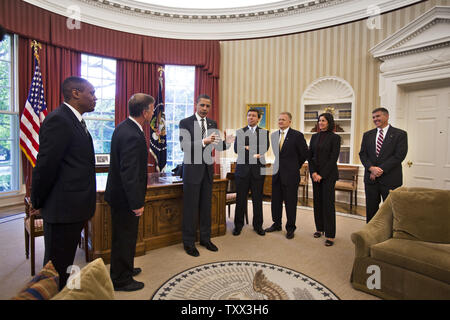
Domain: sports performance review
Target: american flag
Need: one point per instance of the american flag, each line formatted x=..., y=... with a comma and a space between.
x=34, y=113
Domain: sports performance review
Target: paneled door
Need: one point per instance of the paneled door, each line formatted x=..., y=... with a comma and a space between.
x=428, y=124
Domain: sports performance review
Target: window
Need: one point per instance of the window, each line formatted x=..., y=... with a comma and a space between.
x=9, y=119
x=179, y=104
x=101, y=73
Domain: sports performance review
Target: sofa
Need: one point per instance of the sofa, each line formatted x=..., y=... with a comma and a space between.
x=404, y=251
x=93, y=283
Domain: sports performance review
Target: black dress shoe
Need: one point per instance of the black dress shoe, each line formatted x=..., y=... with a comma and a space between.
x=136, y=271
x=328, y=243
x=273, y=228
x=236, y=231
x=318, y=234
x=290, y=234
x=261, y=232
x=192, y=251
x=209, y=245
x=133, y=286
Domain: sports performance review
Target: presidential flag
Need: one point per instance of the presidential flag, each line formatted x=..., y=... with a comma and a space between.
x=33, y=115
x=158, y=143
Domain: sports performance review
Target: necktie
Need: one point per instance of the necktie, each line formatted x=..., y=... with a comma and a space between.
x=281, y=139
x=379, y=142
x=203, y=128
x=83, y=124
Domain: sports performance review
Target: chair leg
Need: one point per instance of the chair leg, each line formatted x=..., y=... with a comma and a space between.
x=356, y=198
x=351, y=200
x=32, y=256
x=27, y=244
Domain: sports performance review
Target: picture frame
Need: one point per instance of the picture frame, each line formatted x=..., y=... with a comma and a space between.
x=264, y=109
x=102, y=159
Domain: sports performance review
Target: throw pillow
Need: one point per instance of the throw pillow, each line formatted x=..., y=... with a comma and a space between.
x=94, y=283
x=43, y=286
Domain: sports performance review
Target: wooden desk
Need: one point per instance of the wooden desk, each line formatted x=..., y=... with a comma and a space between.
x=161, y=223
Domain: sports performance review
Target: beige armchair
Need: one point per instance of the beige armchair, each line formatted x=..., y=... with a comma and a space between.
x=404, y=251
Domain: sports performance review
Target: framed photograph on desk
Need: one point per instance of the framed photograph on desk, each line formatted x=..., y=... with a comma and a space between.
x=264, y=110
x=102, y=159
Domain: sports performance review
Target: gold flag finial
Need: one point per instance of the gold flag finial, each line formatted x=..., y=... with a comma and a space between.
x=160, y=70
x=36, y=46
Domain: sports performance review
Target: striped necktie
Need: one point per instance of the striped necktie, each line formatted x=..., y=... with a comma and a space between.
x=203, y=128
x=379, y=141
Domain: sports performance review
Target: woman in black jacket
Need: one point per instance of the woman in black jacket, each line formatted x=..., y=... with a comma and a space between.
x=323, y=154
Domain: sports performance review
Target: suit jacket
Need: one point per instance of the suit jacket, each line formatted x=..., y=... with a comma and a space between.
x=127, y=177
x=63, y=183
x=196, y=157
x=392, y=153
x=290, y=158
x=258, y=144
x=323, y=159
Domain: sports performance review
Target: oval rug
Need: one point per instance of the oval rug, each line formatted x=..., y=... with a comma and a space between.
x=242, y=280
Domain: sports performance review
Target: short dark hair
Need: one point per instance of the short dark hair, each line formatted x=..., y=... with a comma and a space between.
x=255, y=110
x=202, y=96
x=71, y=83
x=382, y=109
x=138, y=103
x=330, y=120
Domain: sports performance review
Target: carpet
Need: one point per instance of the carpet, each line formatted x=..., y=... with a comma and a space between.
x=242, y=280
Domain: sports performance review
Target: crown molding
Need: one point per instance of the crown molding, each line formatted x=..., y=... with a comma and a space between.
x=427, y=32
x=279, y=18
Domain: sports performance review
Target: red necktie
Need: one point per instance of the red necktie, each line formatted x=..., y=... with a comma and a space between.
x=379, y=142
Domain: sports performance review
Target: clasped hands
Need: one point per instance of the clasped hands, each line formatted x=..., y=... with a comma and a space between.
x=375, y=172
x=214, y=138
x=316, y=177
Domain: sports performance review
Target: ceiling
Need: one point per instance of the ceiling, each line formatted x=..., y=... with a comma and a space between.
x=219, y=20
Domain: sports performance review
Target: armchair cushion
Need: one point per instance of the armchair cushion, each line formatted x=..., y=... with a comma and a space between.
x=43, y=286
x=432, y=259
x=95, y=284
x=421, y=215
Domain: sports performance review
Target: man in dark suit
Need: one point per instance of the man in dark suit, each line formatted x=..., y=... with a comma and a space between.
x=290, y=150
x=63, y=183
x=198, y=137
x=382, y=151
x=125, y=190
x=251, y=143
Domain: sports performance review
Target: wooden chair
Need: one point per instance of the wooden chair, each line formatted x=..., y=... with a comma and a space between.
x=304, y=180
x=34, y=227
x=348, y=181
x=231, y=195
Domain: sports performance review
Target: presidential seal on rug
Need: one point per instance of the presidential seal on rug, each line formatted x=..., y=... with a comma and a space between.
x=242, y=280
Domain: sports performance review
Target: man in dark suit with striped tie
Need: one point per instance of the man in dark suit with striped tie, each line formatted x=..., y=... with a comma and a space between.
x=382, y=151
x=198, y=137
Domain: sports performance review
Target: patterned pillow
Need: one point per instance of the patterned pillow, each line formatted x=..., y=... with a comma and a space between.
x=43, y=286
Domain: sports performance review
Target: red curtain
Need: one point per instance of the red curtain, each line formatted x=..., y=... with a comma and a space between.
x=133, y=77
x=56, y=65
